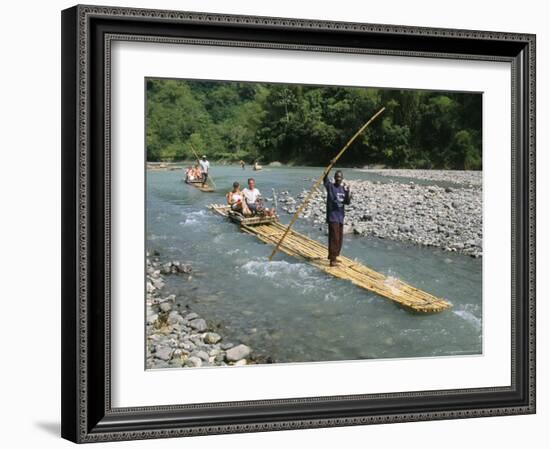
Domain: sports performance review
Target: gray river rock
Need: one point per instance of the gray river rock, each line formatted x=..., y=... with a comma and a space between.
x=179, y=339
x=237, y=353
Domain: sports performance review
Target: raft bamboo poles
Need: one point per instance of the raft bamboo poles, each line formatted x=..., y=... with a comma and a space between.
x=320, y=179
x=302, y=247
x=198, y=185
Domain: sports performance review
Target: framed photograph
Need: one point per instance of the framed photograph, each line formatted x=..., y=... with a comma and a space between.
x=276, y=224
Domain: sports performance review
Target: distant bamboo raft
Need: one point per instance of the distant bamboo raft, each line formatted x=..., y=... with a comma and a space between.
x=198, y=185
x=302, y=247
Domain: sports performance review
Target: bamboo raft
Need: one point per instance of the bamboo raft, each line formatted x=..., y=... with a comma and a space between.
x=302, y=247
x=198, y=185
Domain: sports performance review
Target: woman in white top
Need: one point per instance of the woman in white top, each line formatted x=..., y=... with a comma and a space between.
x=235, y=199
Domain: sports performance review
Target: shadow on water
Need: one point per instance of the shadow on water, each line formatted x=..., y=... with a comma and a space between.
x=289, y=310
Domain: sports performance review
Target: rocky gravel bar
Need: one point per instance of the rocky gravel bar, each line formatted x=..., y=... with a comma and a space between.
x=446, y=217
x=463, y=177
x=181, y=338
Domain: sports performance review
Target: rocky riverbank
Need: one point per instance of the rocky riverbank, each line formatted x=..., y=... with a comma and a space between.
x=181, y=338
x=470, y=178
x=446, y=217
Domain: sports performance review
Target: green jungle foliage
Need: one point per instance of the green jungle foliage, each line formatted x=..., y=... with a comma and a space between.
x=305, y=124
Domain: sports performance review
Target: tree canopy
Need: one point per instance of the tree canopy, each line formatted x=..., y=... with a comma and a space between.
x=308, y=124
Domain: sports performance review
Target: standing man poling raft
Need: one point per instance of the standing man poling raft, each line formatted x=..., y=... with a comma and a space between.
x=205, y=165
x=321, y=178
x=338, y=195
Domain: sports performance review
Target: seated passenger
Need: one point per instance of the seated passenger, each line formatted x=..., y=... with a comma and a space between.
x=189, y=174
x=197, y=174
x=235, y=200
x=253, y=200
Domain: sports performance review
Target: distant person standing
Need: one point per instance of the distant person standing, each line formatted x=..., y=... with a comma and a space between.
x=205, y=166
x=242, y=164
x=338, y=195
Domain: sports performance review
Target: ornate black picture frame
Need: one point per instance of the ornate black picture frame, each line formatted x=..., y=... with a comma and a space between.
x=87, y=33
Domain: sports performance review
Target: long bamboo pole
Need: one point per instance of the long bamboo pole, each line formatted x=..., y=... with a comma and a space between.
x=199, y=159
x=318, y=182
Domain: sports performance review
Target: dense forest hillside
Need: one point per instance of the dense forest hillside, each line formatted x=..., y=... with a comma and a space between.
x=307, y=125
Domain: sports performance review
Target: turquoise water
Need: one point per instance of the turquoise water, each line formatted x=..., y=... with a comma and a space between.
x=288, y=310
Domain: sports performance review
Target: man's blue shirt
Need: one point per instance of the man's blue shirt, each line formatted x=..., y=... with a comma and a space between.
x=337, y=197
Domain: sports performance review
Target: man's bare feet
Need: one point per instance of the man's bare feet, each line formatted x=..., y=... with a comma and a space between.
x=334, y=263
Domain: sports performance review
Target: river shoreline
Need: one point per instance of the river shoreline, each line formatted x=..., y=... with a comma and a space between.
x=470, y=178
x=181, y=338
x=449, y=218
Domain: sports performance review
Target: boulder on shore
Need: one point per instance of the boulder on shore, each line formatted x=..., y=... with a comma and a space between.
x=198, y=324
x=212, y=338
x=237, y=353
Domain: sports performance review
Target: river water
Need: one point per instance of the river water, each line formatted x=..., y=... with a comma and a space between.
x=288, y=310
